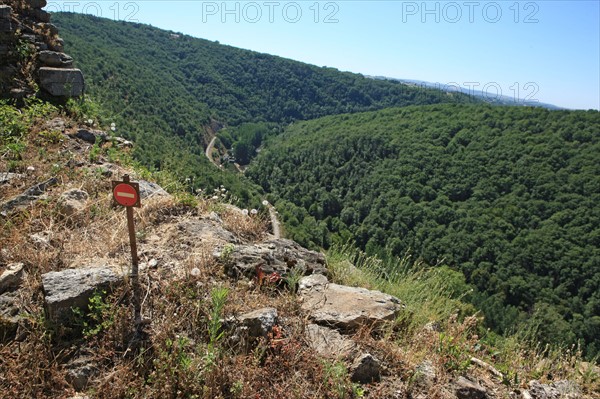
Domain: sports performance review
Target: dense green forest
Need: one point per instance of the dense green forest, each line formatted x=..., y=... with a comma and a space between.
x=169, y=91
x=509, y=196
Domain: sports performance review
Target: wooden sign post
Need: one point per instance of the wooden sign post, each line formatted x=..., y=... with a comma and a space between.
x=127, y=194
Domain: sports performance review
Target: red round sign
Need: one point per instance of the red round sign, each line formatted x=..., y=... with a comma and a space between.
x=125, y=194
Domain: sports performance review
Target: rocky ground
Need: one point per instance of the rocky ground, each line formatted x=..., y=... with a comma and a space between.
x=228, y=310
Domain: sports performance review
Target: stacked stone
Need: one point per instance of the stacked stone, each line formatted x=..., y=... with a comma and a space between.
x=57, y=76
x=6, y=29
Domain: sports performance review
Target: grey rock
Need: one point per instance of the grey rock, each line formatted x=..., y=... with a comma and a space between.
x=567, y=389
x=425, y=376
x=259, y=322
x=91, y=136
x=38, y=3
x=5, y=19
x=6, y=177
x=62, y=82
x=30, y=195
x=277, y=255
x=10, y=315
x=468, y=389
x=538, y=390
x=348, y=308
x=5, y=12
x=312, y=282
x=12, y=277
x=204, y=230
x=55, y=59
x=150, y=190
x=72, y=202
x=329, y=343
x=365, y=369
x=29, y=37
x=80, y=371
x=72, y=288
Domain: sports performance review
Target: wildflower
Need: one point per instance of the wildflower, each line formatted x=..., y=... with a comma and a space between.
x=245, y=212
x=215, y=197
x=195, y=272
x=223, y=189
x=90, y=121
x=113, y=128
x=265, y=202
x=254, y=211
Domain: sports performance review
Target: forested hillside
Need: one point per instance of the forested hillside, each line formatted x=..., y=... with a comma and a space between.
x=509, y=196
x=164, y=89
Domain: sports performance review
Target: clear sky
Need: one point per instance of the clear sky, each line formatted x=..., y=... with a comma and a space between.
x=545, y=50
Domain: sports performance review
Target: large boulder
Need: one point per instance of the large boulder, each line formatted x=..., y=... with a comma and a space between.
x=274, y=256
x=62, y=82
x=347, y=308
x=55, y=59
x=72, y=288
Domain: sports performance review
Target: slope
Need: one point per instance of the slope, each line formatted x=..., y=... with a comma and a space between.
x=507, y=195
x=169, y=92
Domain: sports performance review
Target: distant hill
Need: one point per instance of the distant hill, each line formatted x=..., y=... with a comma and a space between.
x=507, y=195
x=490, y=97
x=160, y=85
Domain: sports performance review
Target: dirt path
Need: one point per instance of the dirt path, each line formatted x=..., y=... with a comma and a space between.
x=209, y=149
x=274, y=222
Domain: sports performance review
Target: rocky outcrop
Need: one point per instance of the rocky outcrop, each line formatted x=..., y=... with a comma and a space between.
x=347, y=308
x=30, y=195
x=62, y=82
x=275, y=256
x=469, y=389
x=72, y=288
x=28, y=23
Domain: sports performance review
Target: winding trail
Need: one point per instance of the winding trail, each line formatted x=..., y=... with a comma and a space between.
x=274, y=222
x=272, y=212
x=209, y=150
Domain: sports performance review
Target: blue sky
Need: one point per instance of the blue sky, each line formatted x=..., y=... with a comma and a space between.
x=536, y=50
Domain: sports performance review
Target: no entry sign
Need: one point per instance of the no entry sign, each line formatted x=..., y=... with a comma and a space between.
x=126, y=193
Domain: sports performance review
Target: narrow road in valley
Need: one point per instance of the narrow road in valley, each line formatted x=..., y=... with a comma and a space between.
x=274, y=222
x=209, y=150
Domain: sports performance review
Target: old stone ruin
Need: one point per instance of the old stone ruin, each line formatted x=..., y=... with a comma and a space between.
x=32, y=58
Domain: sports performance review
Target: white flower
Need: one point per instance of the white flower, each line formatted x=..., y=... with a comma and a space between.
x=215, y=197
x=254, y=211
x=265, y=203
x=223, y=195
x=113, y=124
x=113, y=128
x=195, y=272
x=90, y=121
x=223, y=189
x=245, y=212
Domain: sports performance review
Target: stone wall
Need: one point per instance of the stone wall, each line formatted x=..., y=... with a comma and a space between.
x=32, y=54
